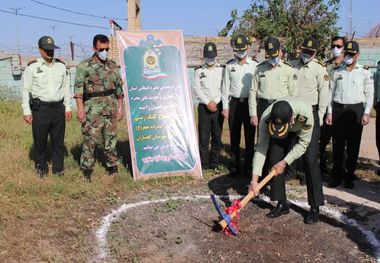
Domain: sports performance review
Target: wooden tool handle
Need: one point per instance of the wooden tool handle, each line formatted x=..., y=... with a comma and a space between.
x=248, y=197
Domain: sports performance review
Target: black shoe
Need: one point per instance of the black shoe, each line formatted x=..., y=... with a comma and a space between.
x=87, y=174
x=313, y=216
x=334, y=183
x=112, y=171
x=59, y=174
x=349, y=184
x=41, y=173
x=279, y=210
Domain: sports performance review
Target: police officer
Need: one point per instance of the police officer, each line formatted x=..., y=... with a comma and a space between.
x=337, y=51
x=273, y=79
x=281, y=122
x=46, y=105
x=377, y=107
x=313, y=89
x=207, y=88
x=237, y=82
x=352, y=99
x=99, y=97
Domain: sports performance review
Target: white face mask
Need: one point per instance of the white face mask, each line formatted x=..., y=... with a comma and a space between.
x=274, y=61
x=336, y=52
x=241, y=54
x=348, y=60
x=306, y=58
x=210, y=61
x=102, y=55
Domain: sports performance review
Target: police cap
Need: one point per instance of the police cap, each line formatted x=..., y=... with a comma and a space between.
x=279, y=119
x=209, y=50
x=272, y=46
x=311, y=44
x=240, y=43
x=352, y=47
x=47, y=43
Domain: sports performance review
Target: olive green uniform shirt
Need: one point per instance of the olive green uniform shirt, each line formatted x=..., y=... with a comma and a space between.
x=303, y=125
x=208, y=83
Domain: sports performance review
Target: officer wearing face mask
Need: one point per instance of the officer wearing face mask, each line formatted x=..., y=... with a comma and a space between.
x=237, y=82
x=351, y=103
x=313, y=89
x=337, y=51
x=99, y=97
x=46, y=104
x=207, y=88
x=273, y=79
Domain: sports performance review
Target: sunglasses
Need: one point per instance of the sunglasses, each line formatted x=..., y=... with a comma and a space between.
x=338, y=46
x=102, y=49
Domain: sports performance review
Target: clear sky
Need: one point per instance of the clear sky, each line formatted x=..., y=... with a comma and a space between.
x=193, y=17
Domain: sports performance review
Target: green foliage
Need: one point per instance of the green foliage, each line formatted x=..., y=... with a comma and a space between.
x=290, y=20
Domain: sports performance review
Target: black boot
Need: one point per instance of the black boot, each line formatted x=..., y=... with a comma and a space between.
x=282, y=208
x=313, y=215
x=112, y=170
x=87, y=174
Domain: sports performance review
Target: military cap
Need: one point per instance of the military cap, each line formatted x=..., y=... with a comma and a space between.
x=311, y=44
x=279, y=119
x=209, y=50
x=352, y=47
x=272, y=46
x=240, y=43
x=47, y=43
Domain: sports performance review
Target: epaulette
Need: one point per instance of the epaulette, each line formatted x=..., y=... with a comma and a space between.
x=60, y=61
x=261, y=63
x=366, y=67
x=230, y=61
x=321, y=63
x=198, y=67
x=288, y=63
x=253, y=59
x=31, y=62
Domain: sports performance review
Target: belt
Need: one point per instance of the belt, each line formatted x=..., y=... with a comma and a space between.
x=51, y=103
x=239, y=99
x=266, y=101
x=346, y=106
x=100, y=94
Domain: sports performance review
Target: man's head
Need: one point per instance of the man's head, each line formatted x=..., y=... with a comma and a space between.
x=351, y=53
x=279, y=120
x=337, y=46
x=210, y=53
x=309, y=49
x=272, y=50
x=240, y=46
x=101, y=46
x=46, y=47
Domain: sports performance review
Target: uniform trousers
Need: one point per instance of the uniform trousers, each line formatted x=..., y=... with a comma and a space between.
x=238, y=116
x=210, y=124
x=378, y=129
x=49, y=119
x=347, y=133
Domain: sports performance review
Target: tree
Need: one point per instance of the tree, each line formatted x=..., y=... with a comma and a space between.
x=290, y=20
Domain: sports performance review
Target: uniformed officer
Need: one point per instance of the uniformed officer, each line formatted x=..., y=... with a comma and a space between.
x=377, y=107
x=313, y=89
x=237, y=82
x=207, y=88
x=99, y=97
x=352, y=100
x=46, y=104
x=273, y=79
x=337, y=51
x=281, y=122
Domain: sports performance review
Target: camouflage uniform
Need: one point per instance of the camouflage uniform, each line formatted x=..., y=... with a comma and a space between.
x=100, y=125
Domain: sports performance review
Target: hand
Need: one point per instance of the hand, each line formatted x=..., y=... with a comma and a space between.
x=28, y=119
x=365, y=119
x=68, y=115
x=253, y=185
x=81, y=116
x=225, y=113
x=328, y=119
x=119, y=115
x=279, y=167
x=254, y=121
x=211, y=106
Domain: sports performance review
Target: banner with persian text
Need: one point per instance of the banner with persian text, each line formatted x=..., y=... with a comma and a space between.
x=158, y=103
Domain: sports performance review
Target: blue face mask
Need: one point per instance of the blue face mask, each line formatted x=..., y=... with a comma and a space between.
x=274, y=61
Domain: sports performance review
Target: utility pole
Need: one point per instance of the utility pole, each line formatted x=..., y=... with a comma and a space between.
x=350, y=19
x=72, y=47
x=16, y=9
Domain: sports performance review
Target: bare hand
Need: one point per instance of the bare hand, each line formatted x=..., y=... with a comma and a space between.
x=279, y=167
x=68, y=115
x=328, y=119
x=28, y=119
x=211, y=106
x=254, y=121
x=225, y=113
x=253, y=186
x=365, y=119
x=81, y=116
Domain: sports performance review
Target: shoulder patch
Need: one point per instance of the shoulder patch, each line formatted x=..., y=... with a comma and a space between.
x=31, y=62
x=301, y=119
x=306, y=127
x=60, y=61
x=288, y=63
x=326, y=77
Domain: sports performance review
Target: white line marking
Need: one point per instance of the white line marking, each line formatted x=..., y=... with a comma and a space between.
x=101, y=233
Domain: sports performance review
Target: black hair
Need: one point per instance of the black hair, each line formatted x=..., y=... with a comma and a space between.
x=335, y=38
x=101, y=39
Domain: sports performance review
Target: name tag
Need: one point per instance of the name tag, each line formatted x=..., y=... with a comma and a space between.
x=262, y=76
